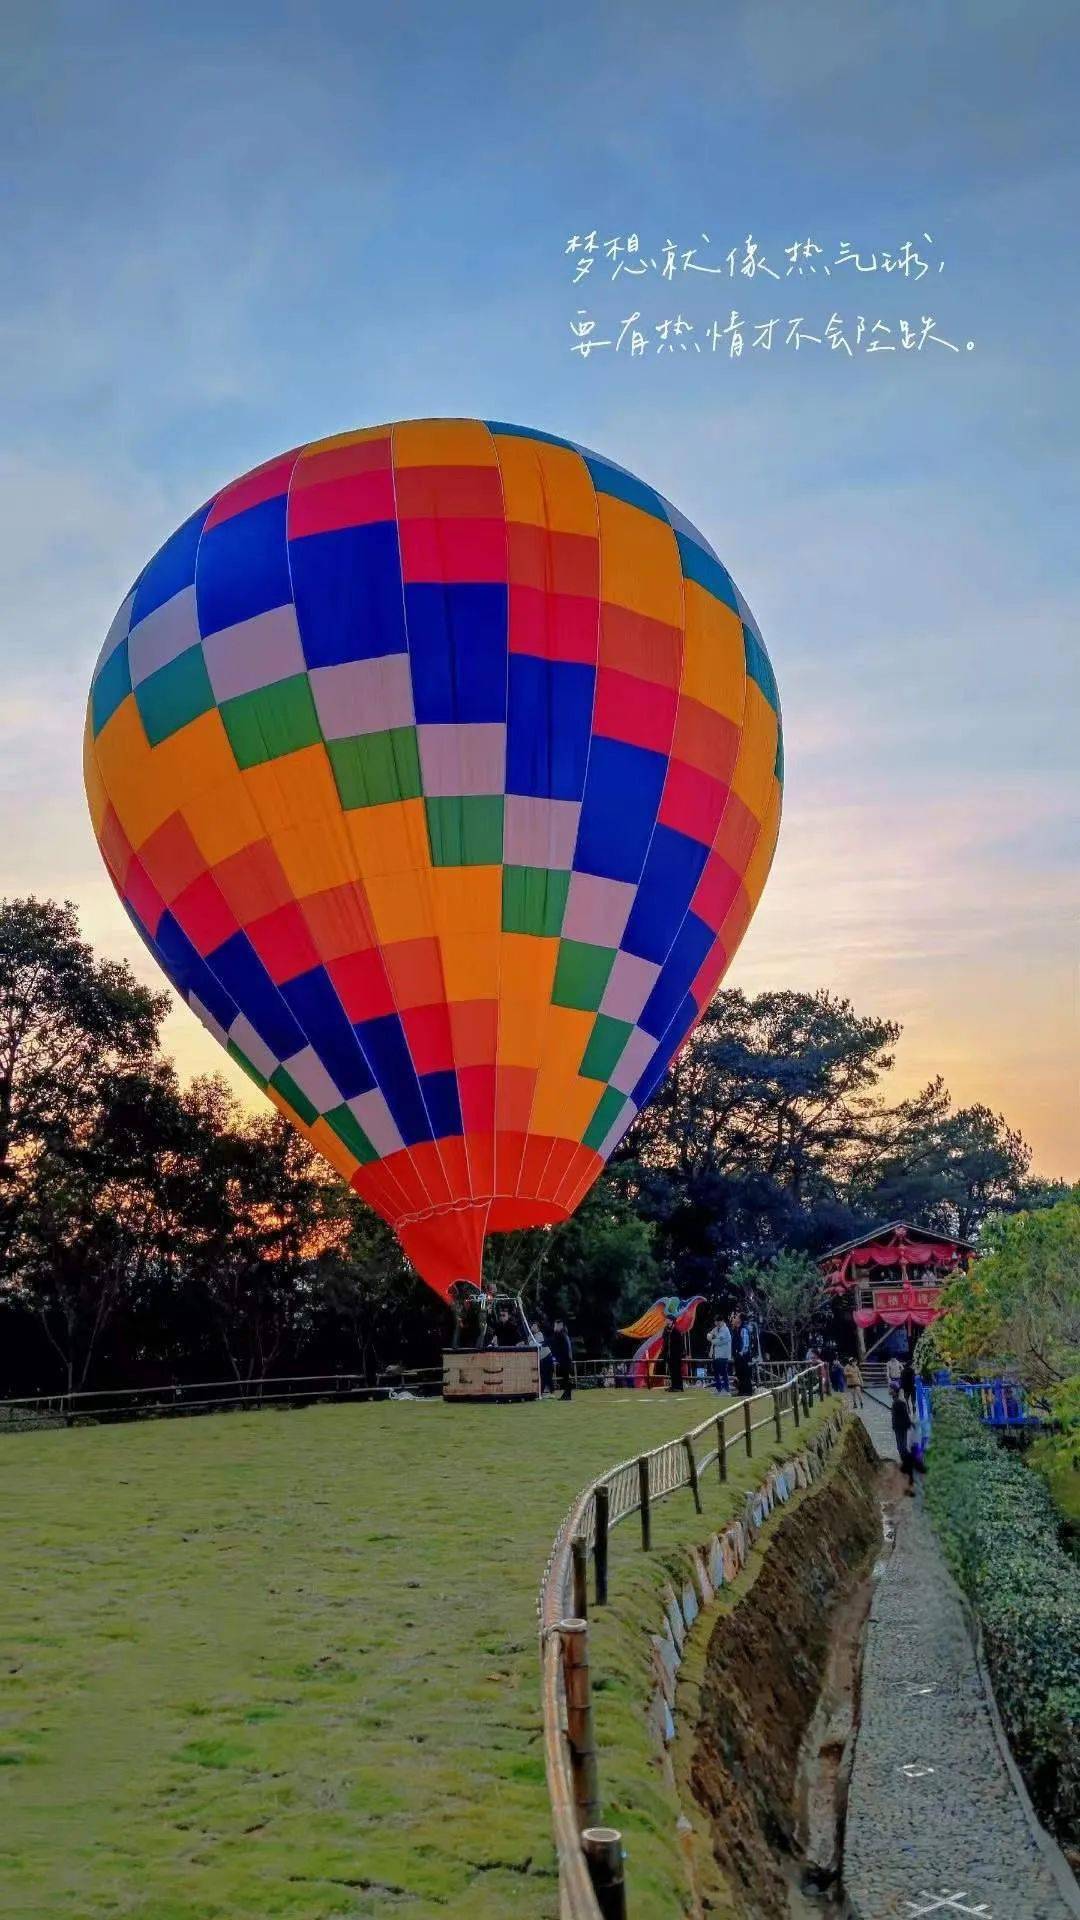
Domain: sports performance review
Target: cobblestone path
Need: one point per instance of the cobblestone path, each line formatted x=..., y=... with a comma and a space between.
x=935, y=1824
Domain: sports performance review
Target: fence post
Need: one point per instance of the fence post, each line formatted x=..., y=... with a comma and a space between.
x=579, y=1719
x=604, y=1857
x=795, y=1402
x=746, y=1428
x=602, y=1510
x=643, y=1502
x=721, y=1448
x=691, y=1465
x=778, y=1418
x=580, y=1576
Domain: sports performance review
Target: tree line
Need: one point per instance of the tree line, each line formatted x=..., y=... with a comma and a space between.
x=1019, y=1307
x=152, y=1232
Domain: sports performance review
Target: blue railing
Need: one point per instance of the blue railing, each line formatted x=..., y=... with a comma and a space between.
x=1000, y=1402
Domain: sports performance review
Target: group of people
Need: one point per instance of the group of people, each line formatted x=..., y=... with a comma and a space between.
x=732, y=1348
x=845, y=1376
x=904, y=1415
x=509, y=1327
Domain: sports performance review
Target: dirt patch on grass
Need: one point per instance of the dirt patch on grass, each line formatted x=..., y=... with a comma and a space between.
x=763, y=1673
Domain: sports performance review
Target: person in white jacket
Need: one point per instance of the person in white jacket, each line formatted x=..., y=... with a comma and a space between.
x=720, y=1354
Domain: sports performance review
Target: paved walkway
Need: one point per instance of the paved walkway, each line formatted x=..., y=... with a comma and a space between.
x=935, y=1824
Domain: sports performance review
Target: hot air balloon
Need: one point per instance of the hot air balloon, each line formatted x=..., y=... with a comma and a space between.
x=439, y=767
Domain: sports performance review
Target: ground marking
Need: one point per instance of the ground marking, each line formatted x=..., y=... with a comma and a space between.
x=954, y=1902
x=914, y=1771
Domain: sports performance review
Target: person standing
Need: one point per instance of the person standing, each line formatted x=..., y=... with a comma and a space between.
x=901, y=1426
x=740, y=1333
x=854, y=1383
x=546, y=1363
x=674, y=1349
x=720, y=1354
x=562, y=1353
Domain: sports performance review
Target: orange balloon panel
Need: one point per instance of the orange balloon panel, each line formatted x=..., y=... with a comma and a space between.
x=439, y=766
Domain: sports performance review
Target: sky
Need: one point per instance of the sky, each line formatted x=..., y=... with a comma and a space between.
x=232, y=228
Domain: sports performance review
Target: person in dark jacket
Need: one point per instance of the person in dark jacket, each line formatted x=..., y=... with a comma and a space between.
x=674, y=1350
x=900, y=1416
x=562, y=1352
x=744, y=1356
x=502, y=1329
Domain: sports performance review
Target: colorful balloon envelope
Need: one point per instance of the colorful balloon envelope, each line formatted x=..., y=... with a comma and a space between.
x=439, y=766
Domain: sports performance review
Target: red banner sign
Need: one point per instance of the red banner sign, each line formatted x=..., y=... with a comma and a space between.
x=899, y=1306
x=906, y=1299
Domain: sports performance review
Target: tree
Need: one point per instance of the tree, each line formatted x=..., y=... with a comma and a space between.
x=595, y=1270
x=986, y=1165
x=107, y=1208
x=750, y=1143
x=789, y=1296
x=943, y=1167
x=601, y=1268
x=82, y=1091
x=275, y=1219
x=782, y=1083
x=1020, y=1304
x=773, y=1130
x=67, y=1021
x=369, y=1303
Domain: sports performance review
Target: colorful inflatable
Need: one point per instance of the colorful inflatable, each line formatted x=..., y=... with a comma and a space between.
x=644, y=1364
x=439, y=767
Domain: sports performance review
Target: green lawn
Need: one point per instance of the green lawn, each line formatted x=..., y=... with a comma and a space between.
x=285, y=1663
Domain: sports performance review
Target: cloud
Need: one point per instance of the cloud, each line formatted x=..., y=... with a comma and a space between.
x=969, y=944
x=230, y=233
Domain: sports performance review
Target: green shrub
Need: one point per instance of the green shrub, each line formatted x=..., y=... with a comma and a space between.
x=1001, y=1533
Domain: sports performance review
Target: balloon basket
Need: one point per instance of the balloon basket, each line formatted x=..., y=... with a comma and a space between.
x=493, y=1373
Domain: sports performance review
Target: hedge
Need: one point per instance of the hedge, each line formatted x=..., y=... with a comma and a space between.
x=1001, y=1533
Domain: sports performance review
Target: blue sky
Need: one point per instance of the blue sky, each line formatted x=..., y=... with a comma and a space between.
x=230, y=229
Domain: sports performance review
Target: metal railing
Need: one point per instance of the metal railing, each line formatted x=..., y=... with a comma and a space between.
x=213, y=1396
x=616, y=1370
x=590, y=1856
x=206, y=1396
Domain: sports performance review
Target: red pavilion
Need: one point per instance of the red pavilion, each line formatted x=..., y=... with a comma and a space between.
x=894, y=1275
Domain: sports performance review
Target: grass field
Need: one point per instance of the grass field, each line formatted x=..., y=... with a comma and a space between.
x=284, y=1664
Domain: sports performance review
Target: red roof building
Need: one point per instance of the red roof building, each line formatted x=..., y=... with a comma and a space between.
x=894, y=1275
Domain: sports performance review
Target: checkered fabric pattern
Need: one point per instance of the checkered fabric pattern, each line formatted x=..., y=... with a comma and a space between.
x=439, y=766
